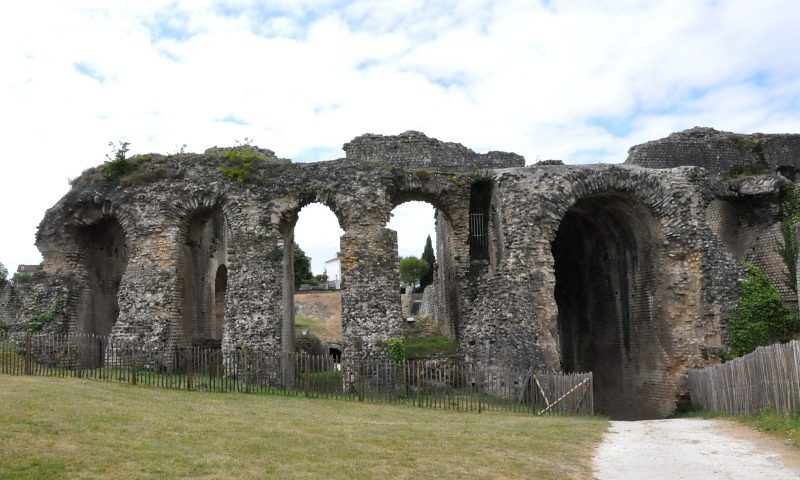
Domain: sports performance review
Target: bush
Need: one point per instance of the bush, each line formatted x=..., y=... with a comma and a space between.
x=397, y=349
x=117, y=165
x=41, y=318
x=22, y=277
x=762, y=318
x=241, y=162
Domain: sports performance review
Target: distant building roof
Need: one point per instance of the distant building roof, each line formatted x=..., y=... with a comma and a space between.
x=28, y=268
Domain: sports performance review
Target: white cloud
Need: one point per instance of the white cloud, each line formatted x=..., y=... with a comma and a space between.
x=581, y=81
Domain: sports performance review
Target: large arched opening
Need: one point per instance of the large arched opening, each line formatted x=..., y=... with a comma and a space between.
x=203, y=277
x=606, y=253
x=104, y=251
x=313, y=282
x=415, y=223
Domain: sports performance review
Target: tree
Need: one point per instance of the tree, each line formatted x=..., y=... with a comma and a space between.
x=3, y=271
x=430, y=258
x=762, y=317
x=412, y=269
x=302, y=267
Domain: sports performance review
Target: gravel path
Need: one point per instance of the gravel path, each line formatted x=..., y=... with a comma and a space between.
x=693, y=449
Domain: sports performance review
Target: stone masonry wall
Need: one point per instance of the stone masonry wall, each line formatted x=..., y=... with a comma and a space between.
x=718, y=152
x=8, y=302
x=661, y=293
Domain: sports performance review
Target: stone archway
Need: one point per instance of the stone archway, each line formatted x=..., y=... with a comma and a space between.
x=607, y=260
x=202, y=257
x=105, y=257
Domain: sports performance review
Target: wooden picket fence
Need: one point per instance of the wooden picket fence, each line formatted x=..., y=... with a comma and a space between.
x=766, y=379
x=438, y=383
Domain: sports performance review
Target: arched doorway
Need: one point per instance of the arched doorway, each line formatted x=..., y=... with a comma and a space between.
x=202, y=271
x=606, y=253
x=312, y=280
x=105, y=257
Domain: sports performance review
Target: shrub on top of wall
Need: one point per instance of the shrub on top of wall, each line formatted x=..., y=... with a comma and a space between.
x=240, y=163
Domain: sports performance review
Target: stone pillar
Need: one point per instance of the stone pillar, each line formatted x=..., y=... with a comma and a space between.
x=371, y=291
x=149, y=295
x=254, y=296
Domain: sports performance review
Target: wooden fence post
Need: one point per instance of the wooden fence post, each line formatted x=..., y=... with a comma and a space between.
x=134, y=380
x=306, y=373
x=420, y=383
x=531, y=386
x=189, y=367
x=361, y=380
x=28, y=354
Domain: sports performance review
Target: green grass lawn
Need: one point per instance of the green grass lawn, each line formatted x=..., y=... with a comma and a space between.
x=67, y=428
x=785, y=427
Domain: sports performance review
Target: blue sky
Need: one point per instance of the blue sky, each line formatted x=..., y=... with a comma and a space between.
x=580, y=81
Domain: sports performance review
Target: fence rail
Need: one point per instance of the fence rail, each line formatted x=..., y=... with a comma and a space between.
x=766, y=379
x=438, y=383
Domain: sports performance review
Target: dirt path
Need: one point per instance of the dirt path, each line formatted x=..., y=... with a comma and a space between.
x=692, y=449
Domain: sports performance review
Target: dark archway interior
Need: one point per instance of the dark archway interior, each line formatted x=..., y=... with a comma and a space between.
x=105, y=257
x=606, y=266
x=203, y=278
x=220, y=285
x=336, y=353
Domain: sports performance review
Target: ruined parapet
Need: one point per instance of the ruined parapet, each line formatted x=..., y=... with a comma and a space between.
x=415, y=150
x=721, y=153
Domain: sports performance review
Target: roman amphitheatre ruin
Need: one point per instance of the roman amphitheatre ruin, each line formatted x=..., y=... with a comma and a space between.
x=629, y=270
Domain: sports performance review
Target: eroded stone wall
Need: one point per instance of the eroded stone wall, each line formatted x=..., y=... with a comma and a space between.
x=628, y=271
x=8, y=303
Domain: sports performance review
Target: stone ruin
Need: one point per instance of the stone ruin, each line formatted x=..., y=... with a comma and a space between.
x=629, y=271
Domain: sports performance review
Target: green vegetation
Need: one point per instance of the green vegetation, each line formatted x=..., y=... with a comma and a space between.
x=3, y=271
x=241, y=162
x=64, y=428
x=479, y=177
x=302, y=267
x=741, y=171
x=789, y=216
x=430, y=346
x=430, y=259
x=141, y=177
x=21, y=277
x=762, y=317
x=397, y=349
x=40, y=317
x=424, y=174
x=748, y=146
x=117, y=164
x=457, y=180
x=781, y=425
x=412, y=269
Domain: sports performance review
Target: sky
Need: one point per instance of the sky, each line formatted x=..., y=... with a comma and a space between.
x=581, y=81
